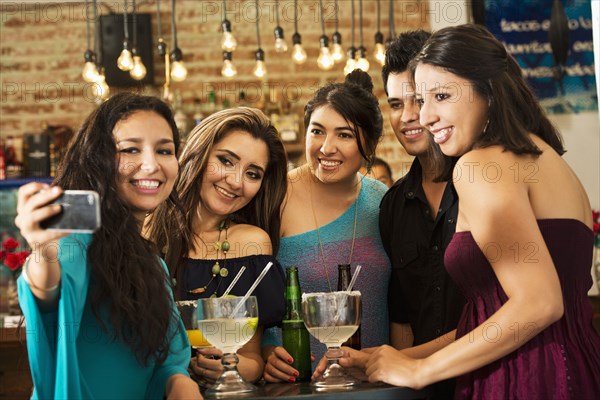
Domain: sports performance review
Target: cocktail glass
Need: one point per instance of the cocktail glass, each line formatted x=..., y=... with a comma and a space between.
x=332, y=318
x=188, y=310
x=228, y=332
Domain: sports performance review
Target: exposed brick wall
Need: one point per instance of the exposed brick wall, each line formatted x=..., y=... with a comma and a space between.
x=42, y=46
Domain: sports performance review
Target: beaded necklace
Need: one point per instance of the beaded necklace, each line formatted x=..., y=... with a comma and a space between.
x=217, y=270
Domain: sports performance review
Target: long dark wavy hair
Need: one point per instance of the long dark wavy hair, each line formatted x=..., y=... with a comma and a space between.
x=170, y=226
x=355, y=102
x=473, y=53
x=128, y=282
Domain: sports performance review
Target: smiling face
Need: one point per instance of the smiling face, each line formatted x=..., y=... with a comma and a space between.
x=234, y=174
x=453, y=112
x=404, y=115
x=331, y=147
x=147, y=162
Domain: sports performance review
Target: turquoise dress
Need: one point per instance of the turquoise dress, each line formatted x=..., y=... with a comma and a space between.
x=71, y=357
x=304, y=251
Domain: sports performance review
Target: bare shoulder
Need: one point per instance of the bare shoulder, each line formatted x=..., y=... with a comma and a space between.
x=492, y=166
x=251, y=238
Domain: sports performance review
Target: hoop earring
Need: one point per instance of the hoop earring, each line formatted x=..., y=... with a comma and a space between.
x=486, y=126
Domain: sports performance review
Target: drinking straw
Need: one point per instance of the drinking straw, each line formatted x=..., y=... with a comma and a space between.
x=254, y=285
x=349, y=289
x=237, y=277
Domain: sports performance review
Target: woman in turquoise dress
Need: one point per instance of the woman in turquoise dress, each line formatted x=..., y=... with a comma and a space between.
x=331, y=212
x=231, y=185
x=100, y=318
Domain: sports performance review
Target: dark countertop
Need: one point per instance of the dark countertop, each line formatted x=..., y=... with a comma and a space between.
x=303, y=391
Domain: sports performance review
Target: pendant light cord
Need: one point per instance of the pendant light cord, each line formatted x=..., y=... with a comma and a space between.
x=352, y=9
x=257, y=24
x=322, y=18
x=134, y=25
x=158, y=25
x=336, y=16
x=173, y=26
x=224, y=10
x=391, y=22
x=295, y=16
x=125, y=27
x=97, y=50
x=378, y=15
x=277, y=12
x=360, y=16
x=87, y=25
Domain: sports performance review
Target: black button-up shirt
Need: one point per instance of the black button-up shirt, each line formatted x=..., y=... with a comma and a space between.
x=421, y=292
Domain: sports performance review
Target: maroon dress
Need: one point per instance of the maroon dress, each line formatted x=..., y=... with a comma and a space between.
x=562, y=361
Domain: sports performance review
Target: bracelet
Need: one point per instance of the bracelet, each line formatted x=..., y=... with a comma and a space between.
x=30, y=283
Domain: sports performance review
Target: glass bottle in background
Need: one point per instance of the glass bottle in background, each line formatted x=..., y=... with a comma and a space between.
x=179, y=115
x=344, y=277
x=212, y=102
x=243, y=102
x=296, y=339
x=198, y=114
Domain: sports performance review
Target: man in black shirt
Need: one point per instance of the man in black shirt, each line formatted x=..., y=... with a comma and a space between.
x=417, y=218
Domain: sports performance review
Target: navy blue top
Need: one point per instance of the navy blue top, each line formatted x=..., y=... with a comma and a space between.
x=269, y=292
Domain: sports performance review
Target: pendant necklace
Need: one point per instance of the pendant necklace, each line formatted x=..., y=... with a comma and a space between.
x=319, y=232
x=217, y=270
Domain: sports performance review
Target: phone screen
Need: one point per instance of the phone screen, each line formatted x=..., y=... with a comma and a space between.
x=80, y=212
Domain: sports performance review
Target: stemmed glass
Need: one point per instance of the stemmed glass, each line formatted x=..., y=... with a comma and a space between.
x=228, y=332
x=188, y=310
x=332, y=318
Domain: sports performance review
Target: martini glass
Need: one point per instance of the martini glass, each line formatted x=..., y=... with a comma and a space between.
x=332, y=318
x=228, y=332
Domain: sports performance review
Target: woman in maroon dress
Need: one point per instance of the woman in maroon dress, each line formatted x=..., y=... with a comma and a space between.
x=523, y=244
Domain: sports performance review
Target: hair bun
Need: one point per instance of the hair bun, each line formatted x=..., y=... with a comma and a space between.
x=360, y=78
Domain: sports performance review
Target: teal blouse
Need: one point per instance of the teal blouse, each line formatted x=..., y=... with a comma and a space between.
x=70, y=355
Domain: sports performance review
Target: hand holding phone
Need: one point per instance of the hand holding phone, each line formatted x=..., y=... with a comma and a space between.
x=80, y=212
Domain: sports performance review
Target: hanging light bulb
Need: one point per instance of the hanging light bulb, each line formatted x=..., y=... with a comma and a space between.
x=228, y=70
x=280, y=44
x=325, y=61
x=228, y=43
x=100, y=88
x=178, y=70
x=90, y=72
x=337, y=52
x=125, y=60
x=379, y=48
x=362, y=62
x=351, y=62
x=298, y=53
x=260, y=69
x=138, y=72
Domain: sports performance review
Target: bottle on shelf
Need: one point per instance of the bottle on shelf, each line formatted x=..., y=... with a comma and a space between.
x=289, y=124
x=13, y=166
x=296, y=339
x=344, y=277
x=181, y=119
x=243, y=102
x=198, y=114
x=212, y=102
x=2, y=162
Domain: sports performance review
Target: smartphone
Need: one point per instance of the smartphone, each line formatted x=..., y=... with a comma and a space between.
x=80, y=212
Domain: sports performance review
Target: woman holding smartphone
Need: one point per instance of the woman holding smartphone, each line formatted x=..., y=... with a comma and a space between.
x=101, y=321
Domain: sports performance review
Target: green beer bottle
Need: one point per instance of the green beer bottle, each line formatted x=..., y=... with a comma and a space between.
x=344, y=278
x=296, y=339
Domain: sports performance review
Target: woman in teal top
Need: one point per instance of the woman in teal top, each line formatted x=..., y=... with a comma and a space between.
x=330, y=214
x=100, y=317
